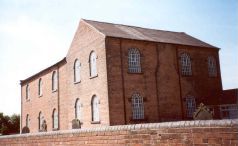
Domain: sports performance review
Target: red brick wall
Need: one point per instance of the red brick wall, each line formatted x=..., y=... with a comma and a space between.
x=86, y=40
x=160, y=82
x=183, y=133
x=45, y=103
x=204, y=88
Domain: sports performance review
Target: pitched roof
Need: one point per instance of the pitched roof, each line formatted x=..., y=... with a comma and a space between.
x=42, y=71
x=138, y=33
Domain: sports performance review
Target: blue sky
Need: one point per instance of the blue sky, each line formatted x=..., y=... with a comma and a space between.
x=36, y=34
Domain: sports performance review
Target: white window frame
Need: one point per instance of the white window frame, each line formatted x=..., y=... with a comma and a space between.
x=55, y=120
x=40, y=120
x=27, y=120
x=93, y=64
x=134, y=61
x=27, y=92
x=137, y=107
x=212, y=69
x=186, y=64
x=95, y=109
x=54, y=81
x=77, y=69
x=40, y=93
x=78, y=109
x=190, y=106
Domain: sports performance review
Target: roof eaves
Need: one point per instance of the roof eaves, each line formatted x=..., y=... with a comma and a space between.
x=35, y=75
x=163, y=42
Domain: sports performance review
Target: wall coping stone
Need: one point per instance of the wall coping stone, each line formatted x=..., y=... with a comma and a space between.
x=177, y=124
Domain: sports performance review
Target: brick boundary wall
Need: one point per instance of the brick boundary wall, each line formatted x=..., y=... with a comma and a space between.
x=181, y=133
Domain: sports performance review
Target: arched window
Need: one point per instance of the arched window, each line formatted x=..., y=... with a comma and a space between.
x=95, y=108
x=77, y=67
x=27, y=92
x=212, y=69
x=186, y=66
x=190, y=105
x=55, y=119
x=40, y=120
x=93, y=64
x=134, y=65
x=27, y=121
x=54, y=81
x=137, y=106
x=40, y=87
x=78, y=109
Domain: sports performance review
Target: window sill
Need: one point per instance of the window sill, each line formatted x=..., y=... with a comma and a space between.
x=54, y=90
x=186, y=75
x=95, y=122
x=77, y=82
x=138, y=73
x=139, y=120
x=91, y=77
x=55, y=129
x=40, y=95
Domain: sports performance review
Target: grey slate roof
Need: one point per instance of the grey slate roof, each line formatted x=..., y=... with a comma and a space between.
x=146, y=34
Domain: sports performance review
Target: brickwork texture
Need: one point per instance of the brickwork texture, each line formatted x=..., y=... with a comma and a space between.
x=160, y=83
x=182, y=133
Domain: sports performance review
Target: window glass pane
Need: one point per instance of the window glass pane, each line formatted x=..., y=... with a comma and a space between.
x=77, y=71
x=93, y=64
x=27, y=120
x=134, y=64
x=27, y=92
x=212, y=70
x=191, y=106
x=78, y=109
x=186, y=67
x=55, y=119
x=95, y=108
x=40, y=87
x=137, y=107
x=54, y=81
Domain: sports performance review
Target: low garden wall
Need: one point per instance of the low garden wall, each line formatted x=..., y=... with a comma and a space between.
x=182, y=133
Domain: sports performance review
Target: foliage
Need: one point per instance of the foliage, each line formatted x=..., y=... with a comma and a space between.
x=9, y=125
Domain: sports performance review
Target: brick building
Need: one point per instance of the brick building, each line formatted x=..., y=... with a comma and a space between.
x=116, y=74
x=229, y=104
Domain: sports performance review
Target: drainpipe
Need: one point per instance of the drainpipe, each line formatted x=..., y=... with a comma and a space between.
x=180, y=88
x=156, y=81
x=123, y=84
x=58, y=94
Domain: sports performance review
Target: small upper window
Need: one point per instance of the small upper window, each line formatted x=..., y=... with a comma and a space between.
x=95, y=108
x=186, y=66
x=27, y=92
x=77, y=67
x=55, y=119
x=93, y=64
x=40, y=87
x=134, y=65
x=78, y=109
x=190, y=105
x=54, y=81
x=212, y=69
x=137, y=106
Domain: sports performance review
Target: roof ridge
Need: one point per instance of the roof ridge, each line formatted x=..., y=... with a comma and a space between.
x=133, y=26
